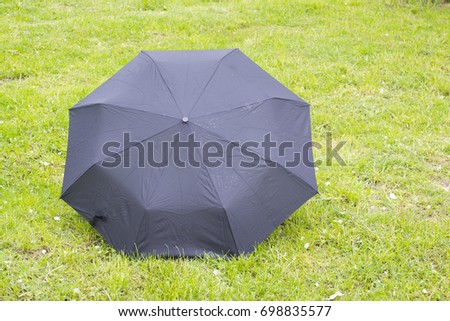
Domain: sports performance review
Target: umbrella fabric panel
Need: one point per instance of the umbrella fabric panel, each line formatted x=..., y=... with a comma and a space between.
x=91, y=127
x=191, y=233
x=186, y=73
x=138, y=85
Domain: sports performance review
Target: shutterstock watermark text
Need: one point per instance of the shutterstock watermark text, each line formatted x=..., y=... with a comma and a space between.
x=190, y=151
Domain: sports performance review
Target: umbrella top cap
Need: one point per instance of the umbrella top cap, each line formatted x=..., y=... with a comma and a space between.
x=185, y=119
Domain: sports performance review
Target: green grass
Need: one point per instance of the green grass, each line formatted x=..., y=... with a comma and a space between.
x=376, y=74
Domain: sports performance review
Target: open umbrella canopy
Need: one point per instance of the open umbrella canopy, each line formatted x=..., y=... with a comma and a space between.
x=183, y=153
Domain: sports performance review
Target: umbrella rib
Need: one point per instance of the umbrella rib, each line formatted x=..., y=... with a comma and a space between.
x=210, y=78
x=149, y=198
x=225, y=211
x=302, y=181
x=164, y=80
x=221, y=204
x=120, y=107
x=143, y=140
x=251, y=105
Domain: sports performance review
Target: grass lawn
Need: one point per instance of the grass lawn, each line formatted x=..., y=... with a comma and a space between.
x=377, y=75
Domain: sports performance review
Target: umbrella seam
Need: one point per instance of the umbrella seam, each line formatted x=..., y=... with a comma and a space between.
x=253, y=191
x=145, y=206
x=221, y=204
x=253, y=108
x=259, y=103
x=210, y=78
x=119, y=107
x=225, y=211
x=164, y=80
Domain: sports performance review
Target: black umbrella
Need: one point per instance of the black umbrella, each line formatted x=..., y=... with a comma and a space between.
x=187, y=153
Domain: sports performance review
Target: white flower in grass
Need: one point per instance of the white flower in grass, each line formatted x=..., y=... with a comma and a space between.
x=44, y=251
x=57, y=218
x=307, y=245
x=334, y=296
x=216, y=272
x=424, y=291
x=392, y=196
x=316, y=284
x=327, y=183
